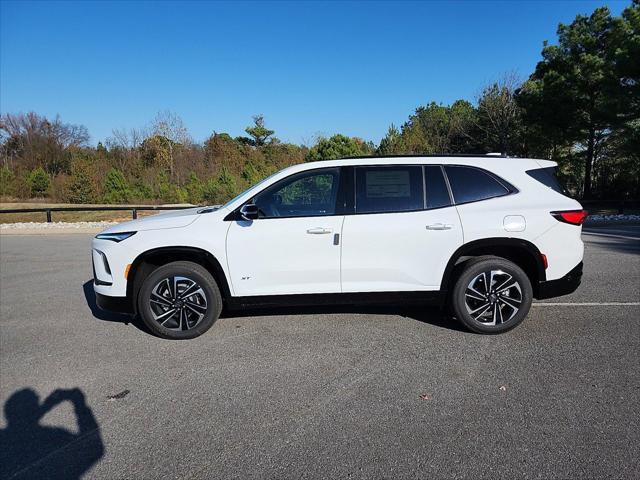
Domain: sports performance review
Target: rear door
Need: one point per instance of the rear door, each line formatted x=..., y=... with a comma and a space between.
x=402, y=232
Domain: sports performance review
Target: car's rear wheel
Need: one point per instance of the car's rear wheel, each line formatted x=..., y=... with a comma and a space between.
x=491, y=295
x=179, y=300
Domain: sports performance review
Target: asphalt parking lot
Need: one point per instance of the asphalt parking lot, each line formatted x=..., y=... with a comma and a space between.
x=356, y=392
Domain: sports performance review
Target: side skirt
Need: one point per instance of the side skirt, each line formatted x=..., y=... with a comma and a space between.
x=433, y=298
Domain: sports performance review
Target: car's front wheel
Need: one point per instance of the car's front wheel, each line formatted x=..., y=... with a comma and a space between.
x=179, y=300
x=491, y=295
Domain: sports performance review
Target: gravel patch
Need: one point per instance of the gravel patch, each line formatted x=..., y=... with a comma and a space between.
x=42, y=228
x=619, y=219
x=55, y=225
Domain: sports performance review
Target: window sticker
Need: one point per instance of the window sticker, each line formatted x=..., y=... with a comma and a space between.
x=388, y=184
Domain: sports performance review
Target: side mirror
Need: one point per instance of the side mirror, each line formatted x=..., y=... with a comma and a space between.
x=249, y=212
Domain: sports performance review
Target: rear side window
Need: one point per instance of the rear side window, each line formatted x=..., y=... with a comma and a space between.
x=472, y=184
x=547, y=176
x=389, y=189
x=437, y=191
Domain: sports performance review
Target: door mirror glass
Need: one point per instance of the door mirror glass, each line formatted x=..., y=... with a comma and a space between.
x=249, y=212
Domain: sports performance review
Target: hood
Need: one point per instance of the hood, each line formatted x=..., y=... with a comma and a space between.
x=171, y=219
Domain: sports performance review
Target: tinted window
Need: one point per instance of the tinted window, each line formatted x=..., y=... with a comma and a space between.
x=389, y=189
x=306, y=194
x=547, y=176
x=472, y=184
x=437, y=191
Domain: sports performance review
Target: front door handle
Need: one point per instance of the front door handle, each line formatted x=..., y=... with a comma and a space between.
x=319, y=231
x=440, y=226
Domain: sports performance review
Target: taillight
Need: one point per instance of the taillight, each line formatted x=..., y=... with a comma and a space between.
x=572, y=217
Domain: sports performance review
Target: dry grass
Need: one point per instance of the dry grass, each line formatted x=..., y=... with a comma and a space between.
x=115, y=216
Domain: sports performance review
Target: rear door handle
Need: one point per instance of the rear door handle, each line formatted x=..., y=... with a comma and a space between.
x=440, y=226
x=319, y=231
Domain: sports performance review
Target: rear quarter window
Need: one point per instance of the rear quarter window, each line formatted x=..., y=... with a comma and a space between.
x=547, y=176
x=470, y=184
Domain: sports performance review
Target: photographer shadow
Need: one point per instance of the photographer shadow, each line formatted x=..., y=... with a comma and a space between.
x=29, y=449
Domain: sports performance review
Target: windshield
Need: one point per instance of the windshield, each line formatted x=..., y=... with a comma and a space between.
x=226, y=205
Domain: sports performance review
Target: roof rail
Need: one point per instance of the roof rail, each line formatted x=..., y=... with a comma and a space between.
x=428, y=155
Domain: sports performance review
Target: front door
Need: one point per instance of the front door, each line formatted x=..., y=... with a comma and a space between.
x=294, y=246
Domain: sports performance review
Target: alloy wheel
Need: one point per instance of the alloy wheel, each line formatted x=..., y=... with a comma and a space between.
x=493, y=297
x=178, y=303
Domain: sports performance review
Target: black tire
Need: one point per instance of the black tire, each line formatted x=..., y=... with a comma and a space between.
x=504, y=311
x=187, y=322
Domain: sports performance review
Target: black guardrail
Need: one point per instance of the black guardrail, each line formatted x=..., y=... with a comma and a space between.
x=134, y=210
x=594, y=205
x=621, y=206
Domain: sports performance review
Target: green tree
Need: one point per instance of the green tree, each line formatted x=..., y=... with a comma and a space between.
x=194, y=189
x=258, y=132
x=81, y=186
x=392, y=143
x=499, y=117
x=251, y=174
x=6, y=179
x=141, y=191
x=435, y=129
x=627, y=138
x=39, y=182
x=338, y=146
x=463, y=135
x=574, y=94
x=157, y=152
x=228, y=187
x=116, y=187
x=211, y=192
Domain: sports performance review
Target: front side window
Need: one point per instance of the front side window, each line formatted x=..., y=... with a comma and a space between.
x=389, y=189
x=307, y=194
x=472, y=184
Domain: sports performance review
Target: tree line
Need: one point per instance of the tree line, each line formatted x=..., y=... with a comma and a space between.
x=580, y=107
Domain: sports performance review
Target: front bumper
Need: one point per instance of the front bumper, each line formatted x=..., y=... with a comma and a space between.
x=562, y=286
x=114, y=304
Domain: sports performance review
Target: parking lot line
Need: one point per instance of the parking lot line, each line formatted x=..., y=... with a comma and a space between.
x=583, y=304
x=610, y=235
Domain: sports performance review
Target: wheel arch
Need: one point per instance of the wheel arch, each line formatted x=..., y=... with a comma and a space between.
x=521, y=252
x=147, y=261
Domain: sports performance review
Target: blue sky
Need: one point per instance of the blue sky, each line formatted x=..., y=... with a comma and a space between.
x=310, y=68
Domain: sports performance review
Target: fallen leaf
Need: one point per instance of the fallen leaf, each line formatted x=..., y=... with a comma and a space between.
x=503, y=388
x=118, y=396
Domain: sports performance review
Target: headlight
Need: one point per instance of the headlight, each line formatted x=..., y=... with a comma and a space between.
x=115, y=237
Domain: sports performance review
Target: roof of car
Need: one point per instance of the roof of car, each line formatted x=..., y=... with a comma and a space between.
x=439, y=155
x=477, y=160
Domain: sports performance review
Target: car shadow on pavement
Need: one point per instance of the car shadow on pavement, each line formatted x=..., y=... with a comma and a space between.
x=29, y=449
x=425, y=314
x=97, y=312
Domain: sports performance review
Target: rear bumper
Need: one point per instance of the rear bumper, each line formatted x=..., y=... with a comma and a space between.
x=114, y=304
x=562, y=286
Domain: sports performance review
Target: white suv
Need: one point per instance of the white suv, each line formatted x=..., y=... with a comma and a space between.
x=483, y=235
